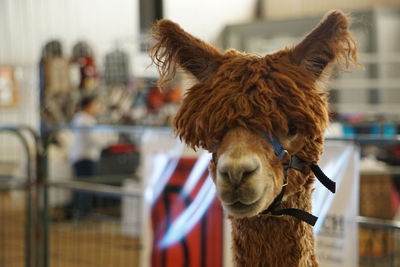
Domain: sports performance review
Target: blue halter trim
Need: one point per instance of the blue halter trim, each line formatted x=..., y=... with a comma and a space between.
x=280, y=152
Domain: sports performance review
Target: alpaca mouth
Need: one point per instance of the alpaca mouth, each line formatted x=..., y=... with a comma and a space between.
x=239, y=207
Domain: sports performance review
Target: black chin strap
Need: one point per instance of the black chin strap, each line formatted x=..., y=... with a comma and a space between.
x=328, y=183
x=297, y=164
x=299, y=214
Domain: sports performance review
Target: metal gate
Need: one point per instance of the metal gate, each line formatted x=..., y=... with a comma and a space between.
x=101, y=237
x=20, y=234
x=379, y=242
x=94, y=221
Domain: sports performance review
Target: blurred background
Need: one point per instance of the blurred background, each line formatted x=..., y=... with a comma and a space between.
x=92, y=175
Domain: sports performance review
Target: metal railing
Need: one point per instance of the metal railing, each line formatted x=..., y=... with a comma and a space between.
x=54, y=235
x=106, y=234
x=379, y=242
x=93, y=221
x=18, y=218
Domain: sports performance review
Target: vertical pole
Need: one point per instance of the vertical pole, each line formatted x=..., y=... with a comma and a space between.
x=29, y=203
x=29, y=212
x=34, y=226
x=42, y=213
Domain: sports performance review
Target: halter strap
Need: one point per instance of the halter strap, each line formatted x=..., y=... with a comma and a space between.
x=279, y=151
x=297, y=213
x=328, y=183
x=297, y=164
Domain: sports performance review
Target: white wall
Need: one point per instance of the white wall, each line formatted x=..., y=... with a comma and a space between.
x=25, y=113
x=284, y=9
x=206, y=19
x=388, y=45
x=25, y=25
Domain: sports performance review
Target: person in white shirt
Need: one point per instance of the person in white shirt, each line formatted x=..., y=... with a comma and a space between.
x=86, y=145
x=85, y=150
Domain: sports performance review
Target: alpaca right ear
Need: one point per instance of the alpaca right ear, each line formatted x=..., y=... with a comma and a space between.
x=175, y=46
x=331, y=41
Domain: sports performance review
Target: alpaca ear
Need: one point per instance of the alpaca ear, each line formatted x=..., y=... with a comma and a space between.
x=329, y=42
x=175, y=46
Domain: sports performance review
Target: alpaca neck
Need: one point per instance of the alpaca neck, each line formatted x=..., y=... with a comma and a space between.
x=275, y=241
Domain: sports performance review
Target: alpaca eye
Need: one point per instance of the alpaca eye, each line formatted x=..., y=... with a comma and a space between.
x=292, y=129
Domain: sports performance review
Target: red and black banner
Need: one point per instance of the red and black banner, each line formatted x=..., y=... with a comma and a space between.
x=202, y=245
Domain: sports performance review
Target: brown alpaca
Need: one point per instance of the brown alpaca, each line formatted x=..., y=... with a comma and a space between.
x=237, y=100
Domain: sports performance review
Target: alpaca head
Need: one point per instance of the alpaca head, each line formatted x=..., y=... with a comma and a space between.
x=238, y=98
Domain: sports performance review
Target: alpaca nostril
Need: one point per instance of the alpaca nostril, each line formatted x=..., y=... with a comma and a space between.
x=237, y=174
x=248, y=174
x=224, y=175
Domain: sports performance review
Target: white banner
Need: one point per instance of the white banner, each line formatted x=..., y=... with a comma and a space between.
x=336, y=229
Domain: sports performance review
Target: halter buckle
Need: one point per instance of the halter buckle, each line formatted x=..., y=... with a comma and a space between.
x=282, y=154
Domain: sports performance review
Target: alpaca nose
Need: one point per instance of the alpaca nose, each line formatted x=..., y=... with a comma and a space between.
x=236, y=171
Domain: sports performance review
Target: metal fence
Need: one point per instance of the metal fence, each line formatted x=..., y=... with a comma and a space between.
x=103, y=232
x=19, y=231
x=14, y=244
x=93, y=220
x=379, y=243
x=43, y=222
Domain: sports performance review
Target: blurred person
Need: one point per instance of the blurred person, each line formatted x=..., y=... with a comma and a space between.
x=86, y=150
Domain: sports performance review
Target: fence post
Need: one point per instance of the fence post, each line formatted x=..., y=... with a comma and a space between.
x=30, y=222
x=42, y=209
x=33, y=258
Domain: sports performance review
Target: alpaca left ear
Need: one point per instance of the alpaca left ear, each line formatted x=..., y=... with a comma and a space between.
x=330, y=41
x=175, y=47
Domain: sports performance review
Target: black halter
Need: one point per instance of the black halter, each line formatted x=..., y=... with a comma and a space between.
x=297, y=164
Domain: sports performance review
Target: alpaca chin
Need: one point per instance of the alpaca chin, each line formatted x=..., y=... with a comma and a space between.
x=239, y=209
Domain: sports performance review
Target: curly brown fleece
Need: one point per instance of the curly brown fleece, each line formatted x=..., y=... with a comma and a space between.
x=275, y=94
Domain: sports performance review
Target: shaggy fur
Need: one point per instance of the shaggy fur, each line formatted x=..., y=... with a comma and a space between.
x=278, y=94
